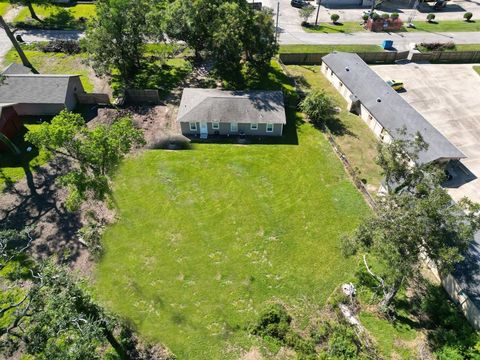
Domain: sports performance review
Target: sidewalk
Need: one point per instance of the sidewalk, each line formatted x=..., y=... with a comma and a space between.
x=401, y=41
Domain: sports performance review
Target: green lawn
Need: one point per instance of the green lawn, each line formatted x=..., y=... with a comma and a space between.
x=445, y=26
x=4, y=6
x=354, y=137
x=440, y=26
x=301, y=48
x=55, y=63
x=208, y=236
x=477, y=69
x=327, y=28
x=78, y=11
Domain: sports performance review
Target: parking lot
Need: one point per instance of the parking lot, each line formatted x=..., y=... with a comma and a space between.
x=448, y=97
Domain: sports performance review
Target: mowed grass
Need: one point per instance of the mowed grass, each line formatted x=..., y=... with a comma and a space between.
x=55, y=63
x=445, y=26
x=207, y=237
x=301, y=48
x=351, y=133
x=341, y=27
x=477, y=69
x=87, y=11
x=4, y=6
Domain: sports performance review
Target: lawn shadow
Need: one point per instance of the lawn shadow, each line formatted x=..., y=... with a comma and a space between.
x=327, y=29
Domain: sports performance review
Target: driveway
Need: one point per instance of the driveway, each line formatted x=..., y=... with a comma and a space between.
x=448, y=97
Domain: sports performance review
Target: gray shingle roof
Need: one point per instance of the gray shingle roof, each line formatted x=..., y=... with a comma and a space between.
x=391, y=111
x=15, y=68
x=34, y=89
x=212, y=105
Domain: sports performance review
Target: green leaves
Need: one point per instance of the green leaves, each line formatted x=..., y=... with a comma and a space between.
x=96, y=153
x=319, y=107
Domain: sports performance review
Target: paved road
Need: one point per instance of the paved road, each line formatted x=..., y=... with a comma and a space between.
x=402, y=41
x=36, y=35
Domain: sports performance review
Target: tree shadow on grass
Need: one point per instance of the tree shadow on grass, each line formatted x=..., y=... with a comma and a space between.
x=445, y=324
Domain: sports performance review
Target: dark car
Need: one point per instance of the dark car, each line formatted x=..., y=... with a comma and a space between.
x=299, y=3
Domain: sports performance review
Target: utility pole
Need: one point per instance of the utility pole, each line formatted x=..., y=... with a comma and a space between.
x=16, y=45
x=276, y=26
x=319, y=2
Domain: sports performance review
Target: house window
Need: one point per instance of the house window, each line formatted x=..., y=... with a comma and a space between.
x=233, y=127
x=193, y=126
x=269, y=127
x=370, y=117
x=215, y=125
x=253, y=126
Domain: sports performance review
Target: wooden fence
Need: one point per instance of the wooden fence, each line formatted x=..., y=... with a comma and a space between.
x=447, y=56
x=93, y=98
x=142, y=96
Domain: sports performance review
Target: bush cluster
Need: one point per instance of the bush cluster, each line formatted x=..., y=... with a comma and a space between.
x=328, y=340
x=61, y=46
x=437, y=46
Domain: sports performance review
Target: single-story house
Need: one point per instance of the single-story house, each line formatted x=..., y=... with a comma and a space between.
x=23, y=93
x=206, y=112
x=385, y=112
x=38, y=94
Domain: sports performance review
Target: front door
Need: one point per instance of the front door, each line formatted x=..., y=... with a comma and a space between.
x=233, y=127
x=203, y=130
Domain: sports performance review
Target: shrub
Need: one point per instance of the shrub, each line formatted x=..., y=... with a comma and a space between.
x=274, y=321
x=437, y=46
x=61, y=46
x=385, y=16
x=468, y=16
x=430, y=17
x=365, y=17
x=394, y=16
x=319, y=107
x=334, y=18
x=375, y=16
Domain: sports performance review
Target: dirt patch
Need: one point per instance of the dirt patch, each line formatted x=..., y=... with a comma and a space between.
x=36, y=202
x=159, y=125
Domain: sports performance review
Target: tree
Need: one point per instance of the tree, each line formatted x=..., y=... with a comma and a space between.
x=334, y=18
x=416, y=218
x=228, y=32
x=95, y=152
x=430, y=17
x=259, y=39
x=115, y=39
x=305, y=13
x=29, y=4
x=319, y=107
x=468, y=16
x=394, y=16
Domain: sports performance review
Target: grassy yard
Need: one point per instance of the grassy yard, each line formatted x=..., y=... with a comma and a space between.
x=327, y=28
x=55, y=63
x=208, y=236
x=445, y=26
x=301, y=48
x=353, y=135
x=57, y=17
x=4, y=6
x=78, y=11
x=477, y=69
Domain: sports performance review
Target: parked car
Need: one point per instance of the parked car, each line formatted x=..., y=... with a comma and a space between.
x=299, y=3
x=439, y=5
x=396, y=85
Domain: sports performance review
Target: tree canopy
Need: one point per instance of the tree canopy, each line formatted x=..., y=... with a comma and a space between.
x=96, y=152
x=416, y=218
x=115, y=39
